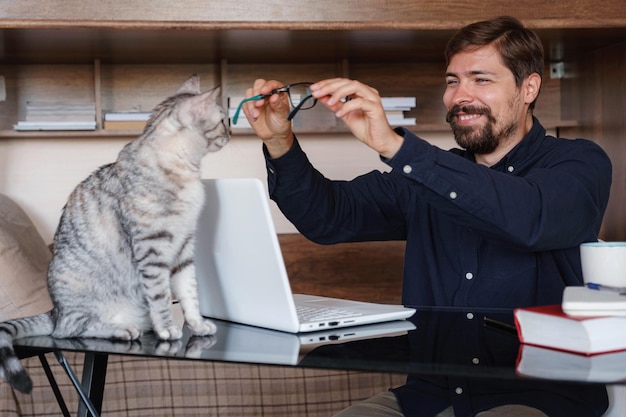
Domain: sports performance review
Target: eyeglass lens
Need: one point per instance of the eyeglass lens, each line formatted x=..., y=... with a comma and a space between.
x=300, y=96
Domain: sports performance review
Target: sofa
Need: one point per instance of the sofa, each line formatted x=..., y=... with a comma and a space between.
x=138, y=386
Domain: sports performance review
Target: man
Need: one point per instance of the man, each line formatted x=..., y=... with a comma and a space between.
x=496, y=224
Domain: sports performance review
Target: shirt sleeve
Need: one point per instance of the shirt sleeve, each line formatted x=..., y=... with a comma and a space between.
x=366, y=208
x=554, y=197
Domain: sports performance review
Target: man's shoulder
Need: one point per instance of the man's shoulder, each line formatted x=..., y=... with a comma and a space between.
x=574, y=144
x=585, y=150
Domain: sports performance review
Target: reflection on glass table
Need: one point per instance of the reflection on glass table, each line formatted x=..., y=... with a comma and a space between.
x=477, y=350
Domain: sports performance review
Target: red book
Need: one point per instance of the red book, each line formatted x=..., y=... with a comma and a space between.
x=549, y=326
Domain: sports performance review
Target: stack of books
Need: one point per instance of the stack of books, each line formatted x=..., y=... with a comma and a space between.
x=585, y=335
x=126, y=120
x=394, y=110
x=58, y=116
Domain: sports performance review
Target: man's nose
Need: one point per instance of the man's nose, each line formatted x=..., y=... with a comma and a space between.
x=462, y=94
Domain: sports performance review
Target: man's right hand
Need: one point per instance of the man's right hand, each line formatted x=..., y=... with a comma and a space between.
x=268, y=117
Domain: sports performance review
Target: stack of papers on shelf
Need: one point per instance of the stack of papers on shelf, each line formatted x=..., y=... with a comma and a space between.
x=126, y=120
x=394, y=110
x=58, y=116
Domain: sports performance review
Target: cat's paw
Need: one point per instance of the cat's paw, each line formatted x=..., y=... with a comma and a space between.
x=168, y=347
x=128, y=333
x=197, y=345
x=202, y=327
x=171, y=332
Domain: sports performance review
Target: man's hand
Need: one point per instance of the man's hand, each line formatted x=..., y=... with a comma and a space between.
x=268, y=117
x=361, y=109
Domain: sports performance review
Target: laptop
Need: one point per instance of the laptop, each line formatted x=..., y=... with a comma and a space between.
x=240, y=343
x=241, y=274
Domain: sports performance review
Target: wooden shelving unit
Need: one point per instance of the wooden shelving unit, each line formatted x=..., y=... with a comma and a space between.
x=132, y=54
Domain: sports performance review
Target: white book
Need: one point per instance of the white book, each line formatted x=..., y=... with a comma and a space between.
x=406, y=121
x=540, y=362
x=398, y=103
x=128, y=116
x=582, y=301
x=69, y=125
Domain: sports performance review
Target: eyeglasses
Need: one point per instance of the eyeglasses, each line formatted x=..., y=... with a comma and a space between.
x=299, y=94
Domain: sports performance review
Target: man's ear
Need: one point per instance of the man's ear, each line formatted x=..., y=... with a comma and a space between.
x=532, y=85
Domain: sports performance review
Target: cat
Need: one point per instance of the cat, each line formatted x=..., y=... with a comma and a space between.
x=124, y=245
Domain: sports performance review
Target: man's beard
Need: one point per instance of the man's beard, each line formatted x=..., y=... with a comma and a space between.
x=478, y=140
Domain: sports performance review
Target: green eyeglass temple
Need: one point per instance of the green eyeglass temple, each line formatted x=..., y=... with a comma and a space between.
x=284, y=89
x=253, y=98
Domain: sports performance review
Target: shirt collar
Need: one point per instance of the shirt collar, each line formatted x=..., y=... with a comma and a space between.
x=523, y=151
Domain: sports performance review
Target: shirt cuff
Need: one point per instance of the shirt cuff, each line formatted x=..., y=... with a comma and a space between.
x=414, y=156
x=294, y=162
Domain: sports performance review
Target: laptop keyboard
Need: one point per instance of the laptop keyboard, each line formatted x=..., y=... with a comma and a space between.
x=308, y=313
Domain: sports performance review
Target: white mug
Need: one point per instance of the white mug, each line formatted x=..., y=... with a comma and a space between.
x=604, y=263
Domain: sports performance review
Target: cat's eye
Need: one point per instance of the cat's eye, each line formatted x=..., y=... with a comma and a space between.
x=299, y=94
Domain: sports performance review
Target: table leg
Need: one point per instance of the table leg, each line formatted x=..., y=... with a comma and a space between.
x=94, y=378
x=91, y=390
x=54, y=385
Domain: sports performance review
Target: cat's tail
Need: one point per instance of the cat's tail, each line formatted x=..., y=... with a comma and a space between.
x=11, y=369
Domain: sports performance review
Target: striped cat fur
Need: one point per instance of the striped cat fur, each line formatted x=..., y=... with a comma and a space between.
x=124, y=246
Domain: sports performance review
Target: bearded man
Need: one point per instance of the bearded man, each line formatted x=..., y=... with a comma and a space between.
x=495, y=224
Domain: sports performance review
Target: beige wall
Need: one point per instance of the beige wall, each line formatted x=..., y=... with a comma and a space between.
x=40, y=173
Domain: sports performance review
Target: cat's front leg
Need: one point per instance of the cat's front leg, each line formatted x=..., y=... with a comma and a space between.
x=185, y=288
x=158, y=296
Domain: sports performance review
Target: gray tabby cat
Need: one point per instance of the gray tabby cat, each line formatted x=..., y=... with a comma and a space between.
x=125, y=242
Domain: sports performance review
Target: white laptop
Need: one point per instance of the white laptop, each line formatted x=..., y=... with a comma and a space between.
x=241, y=274
x=240, y=343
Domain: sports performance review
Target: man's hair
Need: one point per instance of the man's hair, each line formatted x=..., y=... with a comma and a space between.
x=520, y=48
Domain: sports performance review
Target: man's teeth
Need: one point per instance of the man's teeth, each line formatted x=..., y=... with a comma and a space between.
x=464, y=117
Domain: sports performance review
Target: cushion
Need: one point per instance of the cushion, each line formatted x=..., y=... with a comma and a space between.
x=24, y=259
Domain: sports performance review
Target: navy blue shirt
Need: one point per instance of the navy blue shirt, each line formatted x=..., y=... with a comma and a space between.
x=476, y=236
x=504, y=236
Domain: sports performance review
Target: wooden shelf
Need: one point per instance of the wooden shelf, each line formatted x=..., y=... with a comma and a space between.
x=142, y=50
x=103, y=133
x=76, y=45
x=318, y=15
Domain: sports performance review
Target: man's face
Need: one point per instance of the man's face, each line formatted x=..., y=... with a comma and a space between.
x=485, y=107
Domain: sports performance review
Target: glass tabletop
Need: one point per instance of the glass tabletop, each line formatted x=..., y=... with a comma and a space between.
x=434, y=342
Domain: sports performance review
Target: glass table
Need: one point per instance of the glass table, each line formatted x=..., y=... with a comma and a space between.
x=435, y=342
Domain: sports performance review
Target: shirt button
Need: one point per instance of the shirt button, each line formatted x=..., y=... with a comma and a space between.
x=469, y=276
x=453, y=195
x=458, y=390
x=510, y=168
x=407, y=169
x=469, y=316
x=475, y=361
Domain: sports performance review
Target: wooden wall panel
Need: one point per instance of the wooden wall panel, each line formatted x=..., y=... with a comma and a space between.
x=595, y=95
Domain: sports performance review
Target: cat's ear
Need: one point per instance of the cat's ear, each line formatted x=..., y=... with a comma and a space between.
x=209, y=97
x=191, y=86
x=204, y=102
